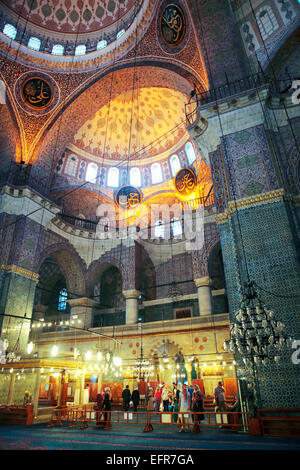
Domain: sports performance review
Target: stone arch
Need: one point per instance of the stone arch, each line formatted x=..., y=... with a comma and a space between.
x=71, y=265
x=11, y=135
x=160, y=344
x=216, y=267
x=96, y=92
x=98, y=267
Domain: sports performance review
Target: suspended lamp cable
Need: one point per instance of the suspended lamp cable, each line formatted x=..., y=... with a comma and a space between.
x=274, y=75
x=225, y=149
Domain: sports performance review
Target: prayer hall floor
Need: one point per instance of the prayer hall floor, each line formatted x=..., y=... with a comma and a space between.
x=131, y=437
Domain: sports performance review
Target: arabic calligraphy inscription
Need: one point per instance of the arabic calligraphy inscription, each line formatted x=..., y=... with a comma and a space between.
x=173, y=24
x=185, y=181
x=128, y=197
x=37, y=93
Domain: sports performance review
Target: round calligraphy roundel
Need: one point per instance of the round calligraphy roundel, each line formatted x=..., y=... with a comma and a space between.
x=185, y=181
x=128, y=197
x=173, y=24
x=37, y=93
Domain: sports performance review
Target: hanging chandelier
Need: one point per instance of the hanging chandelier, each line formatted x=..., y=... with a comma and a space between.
x=255, y=334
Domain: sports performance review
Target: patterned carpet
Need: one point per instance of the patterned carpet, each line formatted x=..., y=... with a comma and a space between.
x=39, y=437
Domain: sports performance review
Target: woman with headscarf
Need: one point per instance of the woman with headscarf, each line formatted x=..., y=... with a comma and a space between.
x=157, y=397
x=197, y=406
x=184, y=405
x=98, y=408
x=107, y=408
x=150, y=398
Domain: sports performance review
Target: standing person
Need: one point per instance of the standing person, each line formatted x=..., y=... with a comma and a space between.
x=219, y=393
x=184, y=405
x=150, y=399
x=176, y=401
x=197, y=406
x=191, y=390
x=165, y=397
x=27, y=400
x=135, y=398
x=173, y=396
x=98, y=408
x=107, y=408
x=157, y=397
x=126, y=398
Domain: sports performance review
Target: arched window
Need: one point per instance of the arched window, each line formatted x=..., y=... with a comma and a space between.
x=120, y=33
x=190, y=152
x=175, y=164
x=101, y=45
x=176, y=228
x=10, y=31
x=156, y=173
x=80, y=50
x=62, y=299
x=266, y=21
x=71, y=165
x=159, y=229
x=34, y=43
x=57, y=49
x=91, y=173
x=135, y=177
x=113, y=177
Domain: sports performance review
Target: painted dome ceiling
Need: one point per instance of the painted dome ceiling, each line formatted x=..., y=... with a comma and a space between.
x=71, y=16
x=147, y=122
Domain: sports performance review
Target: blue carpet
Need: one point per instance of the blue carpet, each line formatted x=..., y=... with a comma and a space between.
x=132, y=438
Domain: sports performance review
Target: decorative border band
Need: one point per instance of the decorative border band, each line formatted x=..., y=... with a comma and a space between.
x=257, y=200
x=23, y=272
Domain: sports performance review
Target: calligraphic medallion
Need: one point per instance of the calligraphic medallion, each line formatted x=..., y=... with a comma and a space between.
x=37, y=93
x=128, y=197
x=185, y=181
x=173, y=24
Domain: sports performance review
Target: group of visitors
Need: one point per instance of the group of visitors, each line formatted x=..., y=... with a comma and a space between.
x=103, y=409
x=178, y=398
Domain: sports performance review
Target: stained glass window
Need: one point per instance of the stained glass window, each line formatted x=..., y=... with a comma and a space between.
x=10, y=31
x=34, y=43
x=175, y=164
x=57, y=49
x=156, y=173
x=113, y=177
x=62, y=299
x=135, y=177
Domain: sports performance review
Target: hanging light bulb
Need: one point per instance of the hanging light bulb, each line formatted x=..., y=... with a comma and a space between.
x=117, y=361
x=54, y=351
x=99, y=356
x=30, y=347
x=88, y=355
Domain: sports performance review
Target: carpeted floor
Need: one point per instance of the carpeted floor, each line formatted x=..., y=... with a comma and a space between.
x=39, y=437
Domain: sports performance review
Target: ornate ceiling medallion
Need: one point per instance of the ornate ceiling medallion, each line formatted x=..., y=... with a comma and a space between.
x=128, y=197
x=185, y=182
x=36, y=93
x=173, y=24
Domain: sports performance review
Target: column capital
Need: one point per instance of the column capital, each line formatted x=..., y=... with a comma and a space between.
x=82, y=302
x=131, y=294
x=203, y=281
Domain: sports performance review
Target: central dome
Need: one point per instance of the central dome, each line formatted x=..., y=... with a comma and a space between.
x=141, y=124
x=71, y=16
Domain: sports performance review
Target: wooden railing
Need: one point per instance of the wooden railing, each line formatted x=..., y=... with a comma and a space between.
x=280, y=422
x=16, y=414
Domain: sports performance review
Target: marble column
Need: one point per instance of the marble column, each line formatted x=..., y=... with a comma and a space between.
x=131, y=297
x=82, y=309
x=203, y=285
x=11, y=389
x=36, y=392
